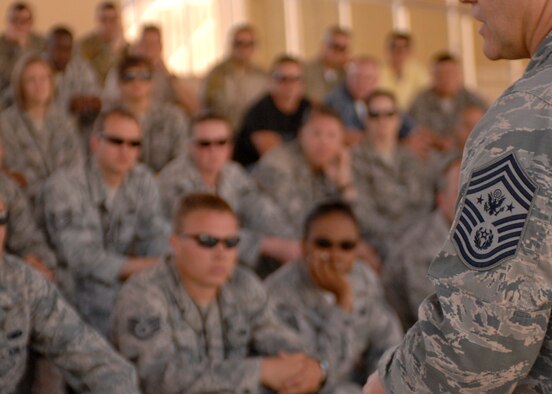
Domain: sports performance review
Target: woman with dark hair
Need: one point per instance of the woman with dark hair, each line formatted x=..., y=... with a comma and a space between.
x=37, y=137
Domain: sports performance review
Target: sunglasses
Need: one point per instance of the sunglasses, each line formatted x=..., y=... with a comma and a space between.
x=120, y=141
x=324, y=243
x=338, y=47
x=3, y=218
x=244, y=44
x=209, y=143
x=282, y=78
x=137, y=76
x=375, y=114
x=209, y=242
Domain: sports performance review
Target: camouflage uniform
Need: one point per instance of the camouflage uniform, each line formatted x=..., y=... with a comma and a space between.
x=94, y=240
x=78, y=79
x=428, y=112
x=229, y=93
x=348, y=342
x=23, y=237
x=165, y=135
x=10, y=52
x=34, y=316
x=392, y=194
x=405, y=270
x=321, y=80
x=488, y=328
x=179, y=347
x=285, y=175
x=258, y=215
x=100, y=55
x=38, y=153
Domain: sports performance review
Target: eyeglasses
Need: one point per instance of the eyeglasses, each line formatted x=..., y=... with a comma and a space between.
x=136, y=76
x=324, y=243
x=244, y=44
x=338, y=47
x=282, y=78
x=209, y=242
x=120, y=141
x=375, y=114
x=3, y=218
x=209, y=143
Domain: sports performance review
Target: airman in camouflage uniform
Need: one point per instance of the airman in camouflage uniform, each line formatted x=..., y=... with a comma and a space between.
x=351, y=336
x=302, y=173
x=34, y=316
x=196, y=322
x=103, y=232
x=487, y=328
x=259, y=216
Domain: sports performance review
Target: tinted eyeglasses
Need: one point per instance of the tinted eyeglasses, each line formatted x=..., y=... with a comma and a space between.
x=209, y=242
x=120, y=141
x=324, y=243
x=130, y=76
x=282, y=78
x=338, y=47
x=376, y=114
x=3, y=218
x=244, y=44
x=209, y=143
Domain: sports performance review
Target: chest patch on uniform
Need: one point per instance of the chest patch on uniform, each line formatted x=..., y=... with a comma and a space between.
x=144, y=328
x=493, y=213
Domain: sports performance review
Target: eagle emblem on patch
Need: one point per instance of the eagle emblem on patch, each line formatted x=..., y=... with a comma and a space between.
x=144, y=328
x=493, y=213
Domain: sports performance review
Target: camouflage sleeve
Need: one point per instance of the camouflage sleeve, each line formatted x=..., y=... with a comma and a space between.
x=484, y=328
x=166, y=356
x=181, y=133
x=77, y=239
x=85, y=358
x=152, y=232
x=23, y=236
x=249, y=247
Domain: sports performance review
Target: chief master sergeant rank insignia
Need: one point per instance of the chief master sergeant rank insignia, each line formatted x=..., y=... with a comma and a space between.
x=493, y=213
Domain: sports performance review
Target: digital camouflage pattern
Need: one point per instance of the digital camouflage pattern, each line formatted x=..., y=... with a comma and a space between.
x=23, y=237
x=179, y=347
x=34, y=316
x=404, y=274
x=78, y=79
x=258, y=215
x=488, y=328
x=351, y=343
x=94, y=239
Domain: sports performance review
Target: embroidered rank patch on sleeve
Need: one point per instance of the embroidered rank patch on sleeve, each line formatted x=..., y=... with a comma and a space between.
x=144, y=328
x=493, y=213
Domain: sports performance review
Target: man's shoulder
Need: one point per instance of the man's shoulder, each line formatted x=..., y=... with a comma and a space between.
x=73, y=177
x=285, y=278
x=150, y=282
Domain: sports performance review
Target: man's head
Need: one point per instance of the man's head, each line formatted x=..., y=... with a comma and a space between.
x=59, y=47
x=33, y=82
x=362, y=76
x=512, y=29
x=243, y=44
x=383, y=121
x=211, y=143
x=135, y=74
x=19, y=20
x=447, y=75
x=204, y=240
x=116, y=142
x=331, y=233
x=287, y=80
x=447, y=190
x=108, y=20
x=150, y=44
x=399, y=47
x=322, y=137
x=335, y=47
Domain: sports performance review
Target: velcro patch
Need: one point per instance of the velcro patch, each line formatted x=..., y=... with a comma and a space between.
x=144, y=328
x=493, y=213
